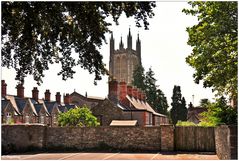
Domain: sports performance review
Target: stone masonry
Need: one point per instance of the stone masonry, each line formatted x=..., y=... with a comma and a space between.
x=167, y=137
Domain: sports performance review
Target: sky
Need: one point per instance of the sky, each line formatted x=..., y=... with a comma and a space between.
x=163, y=48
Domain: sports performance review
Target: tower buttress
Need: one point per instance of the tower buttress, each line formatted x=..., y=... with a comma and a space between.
x=138, y=49
x=129, y=40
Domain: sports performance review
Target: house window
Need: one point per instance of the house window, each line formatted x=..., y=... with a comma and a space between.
x=27, y=119
x=9, y=117
x=42, y=119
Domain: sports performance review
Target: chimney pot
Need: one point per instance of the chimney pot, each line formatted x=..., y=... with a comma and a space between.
x=113, y=90
x=20, y=90
x=135, y=93
x=129, y=90
x=4, y=88
x=123, y=90
x=58, y=97
x=67, y=99
x=47, y=95
x=35, y=93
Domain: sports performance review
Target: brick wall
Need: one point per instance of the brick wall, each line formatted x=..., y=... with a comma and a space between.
x=226, y=142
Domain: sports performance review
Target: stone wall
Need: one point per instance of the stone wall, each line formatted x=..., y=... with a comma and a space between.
x=226, y=142
x=167, y=137
x=120, y=138
x=21, y=138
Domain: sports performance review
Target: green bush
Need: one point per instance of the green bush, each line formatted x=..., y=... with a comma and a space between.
x=185, y=123
x=81, y=117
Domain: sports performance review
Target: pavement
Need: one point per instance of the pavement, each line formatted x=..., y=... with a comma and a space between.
x=113, y=156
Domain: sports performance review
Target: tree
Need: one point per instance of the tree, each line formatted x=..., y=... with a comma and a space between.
x=139, y=78
x=179, y=109
x=147, y=83
x=204, y=102
x=35, y=34
x=151, y=88
x=78, y=117
x=219, y=112
x=214, y=41
x=161, y=103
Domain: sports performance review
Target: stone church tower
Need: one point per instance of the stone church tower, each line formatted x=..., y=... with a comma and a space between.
x=123, y=61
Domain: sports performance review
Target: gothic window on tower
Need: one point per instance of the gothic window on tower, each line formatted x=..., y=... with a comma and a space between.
x=123, y=67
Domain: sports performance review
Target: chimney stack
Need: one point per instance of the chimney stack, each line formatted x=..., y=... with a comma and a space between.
x=135, y=93
x=143, y=97
x=129, y=90
x=58, y=97
x=113, y=89
x=67, y=99
x=140, y=95
x=4, y=88
x=35, y=93
x=123, y=90
x=47, y=95
x=20, y=90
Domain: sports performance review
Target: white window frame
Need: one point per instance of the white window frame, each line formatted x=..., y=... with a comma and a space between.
x=27, y=119
x=42, y=119
x=9, y=116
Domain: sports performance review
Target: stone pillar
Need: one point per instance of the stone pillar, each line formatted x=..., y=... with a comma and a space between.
x=35, y=93
x=20, y=91
x=47, y=95
x=167, y=137
x=4, y=88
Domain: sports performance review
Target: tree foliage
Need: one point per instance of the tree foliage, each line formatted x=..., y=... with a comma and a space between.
x=178, y=111
x=214, y=41
x=81, y=117
x=139, y=78
x=219, y=112
x=147, y=83
x=36, y=34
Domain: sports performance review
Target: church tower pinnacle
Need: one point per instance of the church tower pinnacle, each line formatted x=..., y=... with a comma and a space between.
x=138, y=49
x=121, y=45
x=129, y=42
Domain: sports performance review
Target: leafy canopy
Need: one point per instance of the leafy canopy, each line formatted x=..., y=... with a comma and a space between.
x=81, y=117
x=214, y=41
x=36, y=34
x=219, y=112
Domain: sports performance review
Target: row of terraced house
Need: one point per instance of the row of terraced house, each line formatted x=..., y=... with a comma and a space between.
x=123, y=103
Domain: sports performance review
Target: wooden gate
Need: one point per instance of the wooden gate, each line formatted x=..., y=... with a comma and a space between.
x=194, y=138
